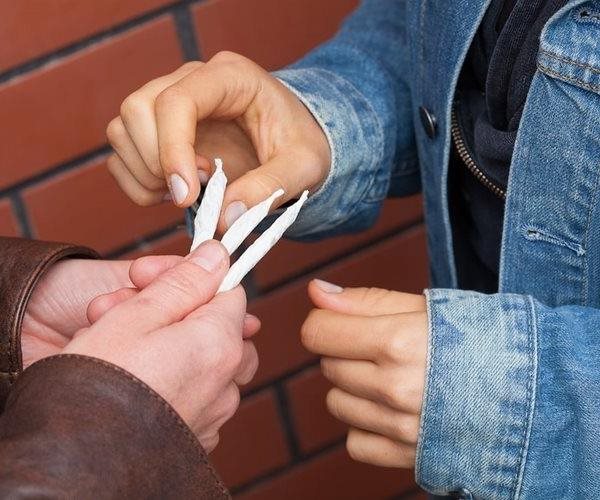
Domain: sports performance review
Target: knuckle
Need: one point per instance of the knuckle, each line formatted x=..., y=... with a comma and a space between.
x=115, y=131
x=393, y=392
x=233, y=403
x=169, y=96
x=393, y=346
x=328, y=369
x=225, y=354
x=143, y=198
x=353, y=446
x=211, y=443
x=332, y=401
x=192, y=65
x=252, y=363
x=133, y=105
x=227, y=57
x=311, y=329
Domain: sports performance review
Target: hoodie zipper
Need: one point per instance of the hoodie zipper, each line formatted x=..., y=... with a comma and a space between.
x=467, y=159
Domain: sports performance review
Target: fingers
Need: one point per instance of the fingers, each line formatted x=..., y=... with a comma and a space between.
x=252, y=326
x=330, y=333
x=363, y=301
x=146, y=269
x=222, y=409
x=378, y=450
x=177, y=292
x=134, y=137
x=258, y=184
x=130, y=185
x=104, y=303
x=228, y=86
x=372, y=416
x=248, y=365
x=360, y=378
x=137, y=113
x=121, y=141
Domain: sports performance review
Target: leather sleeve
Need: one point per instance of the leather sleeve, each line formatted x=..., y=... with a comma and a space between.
x=22, y=264
x=78, y=427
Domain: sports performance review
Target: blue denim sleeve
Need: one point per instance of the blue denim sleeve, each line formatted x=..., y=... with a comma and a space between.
x=512, y=398
x=355, y=86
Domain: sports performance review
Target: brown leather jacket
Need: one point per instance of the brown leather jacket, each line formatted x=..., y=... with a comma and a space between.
x=78, y=427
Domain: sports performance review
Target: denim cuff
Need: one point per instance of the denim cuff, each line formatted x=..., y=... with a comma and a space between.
x=479, y=394
x=357, y=181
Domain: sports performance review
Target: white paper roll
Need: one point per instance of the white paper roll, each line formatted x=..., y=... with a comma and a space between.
x=242, y=227
x=261, y=246
x=207, y=216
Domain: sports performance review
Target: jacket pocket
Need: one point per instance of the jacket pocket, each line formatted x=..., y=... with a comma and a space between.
x=570, y=46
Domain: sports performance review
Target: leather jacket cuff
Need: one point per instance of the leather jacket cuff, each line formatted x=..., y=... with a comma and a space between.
x=22, y=263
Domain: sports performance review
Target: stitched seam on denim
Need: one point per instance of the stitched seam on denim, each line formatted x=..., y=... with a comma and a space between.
x=564, y=59
x=531, y=386
x=541, y=235
x=311, y=108
x=379, y=127
x=359, y=96
x=146, y=388
x=428, y=376
x=577, y=81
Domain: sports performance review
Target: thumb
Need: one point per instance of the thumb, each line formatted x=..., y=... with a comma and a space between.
x=174, y=294
x=289, y=172
x=363, y=301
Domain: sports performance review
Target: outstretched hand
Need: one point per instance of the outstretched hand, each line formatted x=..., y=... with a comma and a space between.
x=373, y=344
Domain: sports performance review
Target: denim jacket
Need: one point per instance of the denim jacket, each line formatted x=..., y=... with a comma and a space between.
x=512, y=401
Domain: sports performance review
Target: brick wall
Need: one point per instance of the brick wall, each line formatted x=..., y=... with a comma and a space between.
x=65, y=66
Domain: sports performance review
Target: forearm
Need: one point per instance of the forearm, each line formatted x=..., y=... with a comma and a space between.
x=80, y=427
x=512, y=398
x=355, y=87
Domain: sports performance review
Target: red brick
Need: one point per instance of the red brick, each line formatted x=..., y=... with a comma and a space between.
x=399, y=263
x=33, y=27
x=315, y=427
x=61, y=111
x=177, y=243
x=8, y=223
x=291, y=258
x=333, y=475
x=86, y=206
x=270, y=32
x=252, y=442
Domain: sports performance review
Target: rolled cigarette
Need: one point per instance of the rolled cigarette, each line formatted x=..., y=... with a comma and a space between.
x=243, y=226
x=261, y=246
x=207, y=216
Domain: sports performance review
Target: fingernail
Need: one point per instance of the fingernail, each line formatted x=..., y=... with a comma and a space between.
x=234, y=211
x=209, y=255
x=179, y=189
x=250, y=317
x=167, y=197
x=203, y=176
x=328, y=287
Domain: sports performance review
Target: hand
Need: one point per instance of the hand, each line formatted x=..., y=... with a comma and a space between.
x=178, y=338
x=374, y=348
x=228, y=107
x=58, y=304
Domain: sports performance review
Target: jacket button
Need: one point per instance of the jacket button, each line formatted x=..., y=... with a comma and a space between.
x=462, y=494
x=428, y=121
